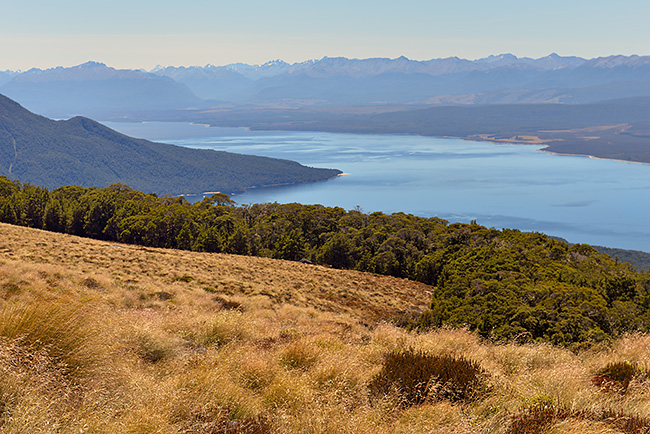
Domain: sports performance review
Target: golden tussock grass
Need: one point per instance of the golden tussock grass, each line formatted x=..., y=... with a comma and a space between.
x=104, y=338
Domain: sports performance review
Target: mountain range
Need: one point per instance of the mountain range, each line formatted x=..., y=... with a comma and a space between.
x=94, y=89
x=492, y=80
x=80, y=151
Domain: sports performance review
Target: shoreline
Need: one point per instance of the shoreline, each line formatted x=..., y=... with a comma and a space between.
x=543, y=145
x=544, y=148
x=235, y=193
x=593, y=157
x=472, y=138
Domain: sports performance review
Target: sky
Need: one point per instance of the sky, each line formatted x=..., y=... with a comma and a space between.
x=145, y=33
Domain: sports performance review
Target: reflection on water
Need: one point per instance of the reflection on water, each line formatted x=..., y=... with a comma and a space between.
x=584, y=200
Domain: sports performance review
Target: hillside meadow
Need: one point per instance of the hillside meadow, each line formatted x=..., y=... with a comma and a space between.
x=102, y=337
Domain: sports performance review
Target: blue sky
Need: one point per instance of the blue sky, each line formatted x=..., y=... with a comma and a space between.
x=144, y=33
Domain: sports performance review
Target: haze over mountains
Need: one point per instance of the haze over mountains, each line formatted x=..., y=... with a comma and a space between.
x=96, y=89
x=493, y=80
x=93, y=88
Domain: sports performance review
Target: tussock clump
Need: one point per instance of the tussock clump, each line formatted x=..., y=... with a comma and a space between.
x=61, y=327
x=288, y=393
x=256, y=373
x=299, y=355
x=225, y=327
x=153, y=346
x=418, y=377
x=228, y=304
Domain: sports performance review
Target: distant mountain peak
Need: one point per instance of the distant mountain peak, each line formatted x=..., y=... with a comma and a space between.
x=618, y=60
x=276, y=62
x=92, y=64
x=498, y=57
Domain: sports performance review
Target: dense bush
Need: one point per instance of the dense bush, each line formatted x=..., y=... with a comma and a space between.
x=418, y=377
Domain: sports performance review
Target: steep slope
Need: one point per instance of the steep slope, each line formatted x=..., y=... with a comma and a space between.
x=83, y=152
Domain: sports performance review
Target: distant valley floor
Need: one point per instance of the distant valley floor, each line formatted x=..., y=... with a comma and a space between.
x=617, y=130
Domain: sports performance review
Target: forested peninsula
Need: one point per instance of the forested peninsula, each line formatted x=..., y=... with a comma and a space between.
x=83, y=152
x=503, y=283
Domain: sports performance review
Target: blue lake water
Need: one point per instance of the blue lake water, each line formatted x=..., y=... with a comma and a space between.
x=581, y=199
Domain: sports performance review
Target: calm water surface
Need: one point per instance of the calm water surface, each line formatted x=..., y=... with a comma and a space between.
x=583, y=200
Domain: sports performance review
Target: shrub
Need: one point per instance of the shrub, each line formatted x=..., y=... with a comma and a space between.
x=418, y=377
x=630, y=424
x=617, y=375
x=532, y=421
x=184, y=278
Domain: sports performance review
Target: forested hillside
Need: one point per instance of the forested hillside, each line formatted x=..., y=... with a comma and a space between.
x=503, y=283
x=83, y=152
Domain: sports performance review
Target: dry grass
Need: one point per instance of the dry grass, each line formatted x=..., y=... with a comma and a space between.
x=104, y=338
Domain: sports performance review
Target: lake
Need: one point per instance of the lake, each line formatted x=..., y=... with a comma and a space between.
x=583, y=200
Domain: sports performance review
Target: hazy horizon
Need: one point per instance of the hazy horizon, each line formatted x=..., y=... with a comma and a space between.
x=269, y=61
x=143, y=34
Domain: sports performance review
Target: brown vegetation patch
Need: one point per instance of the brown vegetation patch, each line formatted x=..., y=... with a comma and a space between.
x=418, y=377
x=368, y=297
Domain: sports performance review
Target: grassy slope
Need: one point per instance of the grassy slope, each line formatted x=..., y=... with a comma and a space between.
x=98, y=337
